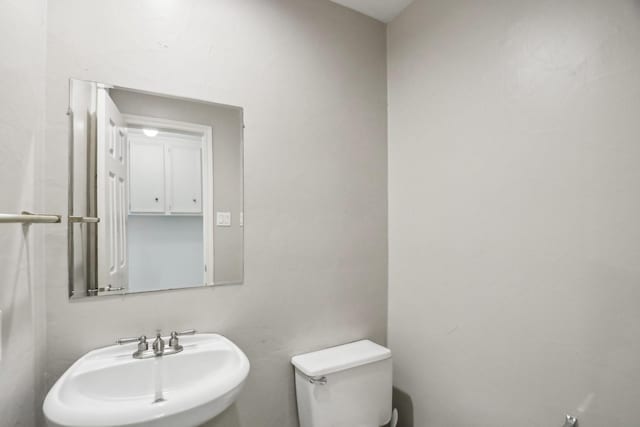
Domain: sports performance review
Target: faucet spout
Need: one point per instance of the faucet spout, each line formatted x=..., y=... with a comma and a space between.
x=158, y=345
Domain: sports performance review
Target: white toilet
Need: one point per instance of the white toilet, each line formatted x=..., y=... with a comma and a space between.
x=345, y=386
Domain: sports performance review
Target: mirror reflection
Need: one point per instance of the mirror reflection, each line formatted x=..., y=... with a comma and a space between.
x=155, y=192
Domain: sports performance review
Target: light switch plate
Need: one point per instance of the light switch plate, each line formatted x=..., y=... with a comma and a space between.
x=223, y=219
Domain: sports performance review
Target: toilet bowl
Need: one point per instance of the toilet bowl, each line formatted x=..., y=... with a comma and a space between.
x=345, y=386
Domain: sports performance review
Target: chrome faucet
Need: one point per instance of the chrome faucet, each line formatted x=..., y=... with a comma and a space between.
x=158, y=346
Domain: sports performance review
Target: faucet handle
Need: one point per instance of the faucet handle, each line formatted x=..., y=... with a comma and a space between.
x=174, y=342
x=143, y=345
x=122, y=341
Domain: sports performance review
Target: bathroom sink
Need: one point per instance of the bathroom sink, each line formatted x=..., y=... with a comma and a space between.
x=108, y=387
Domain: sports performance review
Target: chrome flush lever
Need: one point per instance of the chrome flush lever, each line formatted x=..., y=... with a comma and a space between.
x=570, y=421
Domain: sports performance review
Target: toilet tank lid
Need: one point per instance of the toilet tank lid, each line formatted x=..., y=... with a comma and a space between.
x=340, y=358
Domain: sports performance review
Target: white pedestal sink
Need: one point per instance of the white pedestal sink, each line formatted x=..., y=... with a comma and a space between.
x=108, y=387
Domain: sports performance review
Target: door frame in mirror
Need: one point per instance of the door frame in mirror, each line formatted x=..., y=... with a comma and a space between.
x=207, y=181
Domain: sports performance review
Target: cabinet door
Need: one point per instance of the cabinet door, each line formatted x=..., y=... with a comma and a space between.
x=146, y=176
x=185, y=178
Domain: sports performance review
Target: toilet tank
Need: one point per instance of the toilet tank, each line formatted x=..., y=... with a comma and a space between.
x=345, y=386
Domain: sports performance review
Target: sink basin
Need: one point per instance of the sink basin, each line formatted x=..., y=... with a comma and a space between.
x=108, y=387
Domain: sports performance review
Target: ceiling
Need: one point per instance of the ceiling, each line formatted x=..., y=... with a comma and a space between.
x=382, y=10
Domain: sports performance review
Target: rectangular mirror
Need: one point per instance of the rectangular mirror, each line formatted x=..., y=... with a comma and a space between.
x=155, y=191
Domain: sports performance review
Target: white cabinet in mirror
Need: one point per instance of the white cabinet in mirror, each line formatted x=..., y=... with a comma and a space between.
x=155, y=169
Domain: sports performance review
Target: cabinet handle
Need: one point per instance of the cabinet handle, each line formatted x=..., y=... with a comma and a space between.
x=157, y=199
x=195, y=200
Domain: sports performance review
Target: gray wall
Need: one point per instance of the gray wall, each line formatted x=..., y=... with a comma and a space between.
x=226, y=124
x=514, y=242
x=22, y=79
x=311, y=77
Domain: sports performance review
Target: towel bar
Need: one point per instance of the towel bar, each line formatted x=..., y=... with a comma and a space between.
x=29, y=218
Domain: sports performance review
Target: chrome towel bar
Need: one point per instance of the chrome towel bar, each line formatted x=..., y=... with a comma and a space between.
x=29, y=218
x=84, y=219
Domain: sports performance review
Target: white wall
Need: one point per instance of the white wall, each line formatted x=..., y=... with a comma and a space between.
x=514, y=241
x=165, y=252
x=22, y=78
x=311, y=76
